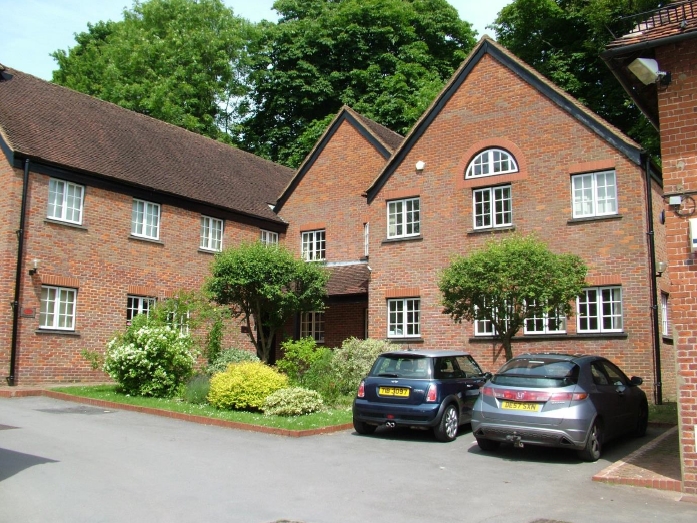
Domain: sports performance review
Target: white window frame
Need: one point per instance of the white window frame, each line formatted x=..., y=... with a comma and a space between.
x=495, y=207
x=593, y=194
x=211, y=234
x=404, y=318
x=366, y=239
x=145, y=219
x=665, y=316
x=58, y=308
x=491, y=162
x=485, y=327
x=268, y=237
x=179, y=322
x=312, y=325
x=314, y=245
x=600, y=309
x=138, y=305
x=545, y=324
x=404, y=218
x=65, y=201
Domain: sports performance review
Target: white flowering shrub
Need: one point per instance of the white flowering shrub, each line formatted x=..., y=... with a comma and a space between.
x=150, y=360
x=294, y=401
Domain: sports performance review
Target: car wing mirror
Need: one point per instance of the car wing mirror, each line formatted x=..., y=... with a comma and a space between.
x=636, y=380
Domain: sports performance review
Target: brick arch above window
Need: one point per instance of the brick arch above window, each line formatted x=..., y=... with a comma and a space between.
x=480, y=146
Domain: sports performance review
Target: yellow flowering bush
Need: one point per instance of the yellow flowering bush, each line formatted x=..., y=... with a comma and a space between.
x=245, y=385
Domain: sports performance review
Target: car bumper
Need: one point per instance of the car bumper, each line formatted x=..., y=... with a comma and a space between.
x=395, y=415
x=570, y=435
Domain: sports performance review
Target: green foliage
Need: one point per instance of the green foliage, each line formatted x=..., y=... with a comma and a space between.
x=353, y=360
x=214, y=340
x=245, y=386
x=228, y=356
x=196, y=389
x=298, y=357
x=95, y=358
x=563, y=40
x=385, y=58
x=294, y=401
x=150, y=360
x=265, y=286
x=180, y=61
x=510, y=280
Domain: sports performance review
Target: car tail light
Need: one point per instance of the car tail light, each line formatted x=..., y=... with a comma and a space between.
x=432, y=394
x=533, y=395
x=361, y=390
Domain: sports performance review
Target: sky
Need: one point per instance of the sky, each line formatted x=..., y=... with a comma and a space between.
x=32, y=29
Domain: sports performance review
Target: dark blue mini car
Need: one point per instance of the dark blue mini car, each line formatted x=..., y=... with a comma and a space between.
x=419, y=389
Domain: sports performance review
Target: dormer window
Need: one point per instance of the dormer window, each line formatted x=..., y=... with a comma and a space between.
x=490, y=163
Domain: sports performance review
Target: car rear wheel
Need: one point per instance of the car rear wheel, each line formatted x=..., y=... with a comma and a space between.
x=593, y=447
x=446, y=430
x=363, y=428
x=643, y=421
x=487, y=445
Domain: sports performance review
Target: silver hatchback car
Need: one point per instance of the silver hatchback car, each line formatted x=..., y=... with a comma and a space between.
x=559, y=400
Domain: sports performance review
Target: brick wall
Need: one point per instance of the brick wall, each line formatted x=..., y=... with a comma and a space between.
x=104, y=263
x=494, y=107
x=678, y=123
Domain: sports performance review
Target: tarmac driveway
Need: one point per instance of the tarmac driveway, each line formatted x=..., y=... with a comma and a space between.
x=63, y=461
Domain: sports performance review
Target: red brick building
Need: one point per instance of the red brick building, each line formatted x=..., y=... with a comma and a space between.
x=119, y=210
x=662, y=49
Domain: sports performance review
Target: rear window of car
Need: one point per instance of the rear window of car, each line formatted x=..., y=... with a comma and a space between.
x=537, y=372
x=402, y=367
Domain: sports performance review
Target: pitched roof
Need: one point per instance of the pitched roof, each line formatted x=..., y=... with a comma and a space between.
x=59, y=127
x=487, y=46
x=670, y=24
x=383, y=140
x=348, y=279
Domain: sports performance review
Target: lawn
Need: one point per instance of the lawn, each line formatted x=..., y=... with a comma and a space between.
x=317, y=420
x=666, y=413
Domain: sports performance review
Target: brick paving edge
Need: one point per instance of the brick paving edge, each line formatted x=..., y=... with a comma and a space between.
x=607, y=474
x=23, y=393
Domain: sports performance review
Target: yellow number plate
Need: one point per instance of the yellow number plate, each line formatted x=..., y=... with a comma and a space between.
x=515, y=405
x=394, y=391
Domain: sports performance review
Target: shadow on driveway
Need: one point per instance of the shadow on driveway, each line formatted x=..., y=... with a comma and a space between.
x=12, y=462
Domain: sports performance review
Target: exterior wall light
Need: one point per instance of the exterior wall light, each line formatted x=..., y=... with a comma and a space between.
x=647, y=71
x=420, y=166
x=35, y=267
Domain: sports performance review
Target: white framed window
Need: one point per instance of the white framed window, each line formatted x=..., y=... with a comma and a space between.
x=545, y=323
x=268, y=237
x=485, y=327
x=138, y=305
x=366, y=239
x=179, y=321
x=65, y=200
x=594, y=194
x=312, y=325
x=599, y=309
x=57, y=308
x=490, y=163
x=493, y=207
x=403, y=218
x=666, y=329
x=145, y=219
x=314, y=245
x=211, y=234
x=404, y=316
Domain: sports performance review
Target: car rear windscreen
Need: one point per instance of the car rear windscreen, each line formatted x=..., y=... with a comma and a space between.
x=402, y=367
x=537, y=372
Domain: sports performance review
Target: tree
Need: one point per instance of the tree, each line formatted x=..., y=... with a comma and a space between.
x=509, y=281
x=563, y=40
x=385, y=58
x=265, y=286
x=180, y=61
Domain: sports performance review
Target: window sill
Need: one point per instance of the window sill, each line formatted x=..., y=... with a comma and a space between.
x=418, y=238
x=208, y=251
x=59, y=332
x=542, y=337
x=405, y=340
x=66, y=224
x=148, y=240
x=490, y=230
x=609, y=217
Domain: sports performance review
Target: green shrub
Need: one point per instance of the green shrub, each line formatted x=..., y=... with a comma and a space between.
x=353, y=360
x=196, y=389
x=229, y=356
x=319, y=376
x=294, y=401
x=298, y=357
x=245, y=385
x=149, y=360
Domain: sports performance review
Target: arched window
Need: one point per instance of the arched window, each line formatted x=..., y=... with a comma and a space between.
x=490, y=163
